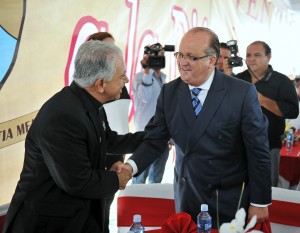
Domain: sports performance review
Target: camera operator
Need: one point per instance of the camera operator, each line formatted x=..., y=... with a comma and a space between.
x=146, y=87
x=222, y=64
x=277, y=97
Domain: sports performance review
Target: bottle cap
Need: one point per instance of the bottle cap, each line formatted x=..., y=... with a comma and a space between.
x=137, y=218
x=204, y=207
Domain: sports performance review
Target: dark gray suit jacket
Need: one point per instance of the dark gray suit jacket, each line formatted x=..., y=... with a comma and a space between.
x=63, y=184
x=226, y=145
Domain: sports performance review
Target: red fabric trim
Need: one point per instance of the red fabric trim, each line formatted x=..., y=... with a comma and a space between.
x=154, y=211
x=286, y=213
x=179, y=223
x=264, y=227
x=2, y=218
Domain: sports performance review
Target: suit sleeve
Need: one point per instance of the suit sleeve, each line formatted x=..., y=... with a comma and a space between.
x=255, y=136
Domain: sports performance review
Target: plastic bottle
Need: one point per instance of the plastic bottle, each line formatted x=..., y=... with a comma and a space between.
x=204, y=220
x=137, y=226
x=289, y=141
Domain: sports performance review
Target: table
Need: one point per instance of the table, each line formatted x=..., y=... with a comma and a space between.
x=289, y=171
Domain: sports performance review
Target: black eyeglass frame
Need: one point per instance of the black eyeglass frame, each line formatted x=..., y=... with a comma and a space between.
x=190, y=58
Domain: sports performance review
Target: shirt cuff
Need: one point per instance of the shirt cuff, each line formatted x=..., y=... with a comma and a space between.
x=133, y=165
x=260, y=205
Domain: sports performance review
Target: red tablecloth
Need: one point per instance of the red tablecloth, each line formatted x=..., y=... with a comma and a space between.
x=290, y=165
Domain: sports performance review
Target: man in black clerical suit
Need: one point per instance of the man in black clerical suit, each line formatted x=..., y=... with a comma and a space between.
x=64, y=183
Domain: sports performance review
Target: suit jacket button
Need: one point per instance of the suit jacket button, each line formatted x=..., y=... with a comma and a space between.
x=220, y=136
x=183, y=179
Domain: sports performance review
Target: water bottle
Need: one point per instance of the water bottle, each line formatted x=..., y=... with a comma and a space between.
x=137, y=226
x=204, y=220
x=289, y=141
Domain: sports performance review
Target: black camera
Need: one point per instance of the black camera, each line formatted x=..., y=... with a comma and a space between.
x=156, y=61
x=234, y=59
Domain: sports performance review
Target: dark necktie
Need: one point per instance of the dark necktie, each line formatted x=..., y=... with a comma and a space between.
x=195, y=101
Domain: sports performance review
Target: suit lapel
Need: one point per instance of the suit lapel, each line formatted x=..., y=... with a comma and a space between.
x=212, y=102
x=185, y=105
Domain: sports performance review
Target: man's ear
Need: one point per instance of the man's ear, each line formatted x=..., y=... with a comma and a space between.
x=213, y=61
x=99, y=85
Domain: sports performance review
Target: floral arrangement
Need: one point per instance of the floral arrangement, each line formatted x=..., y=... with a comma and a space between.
x=237, y=224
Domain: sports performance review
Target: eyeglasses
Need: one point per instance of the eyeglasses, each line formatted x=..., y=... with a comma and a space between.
x=179, y=56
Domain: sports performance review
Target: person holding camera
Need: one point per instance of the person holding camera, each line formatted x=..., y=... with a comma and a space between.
x=146, y=87
x=222, y=64
x=277, y=97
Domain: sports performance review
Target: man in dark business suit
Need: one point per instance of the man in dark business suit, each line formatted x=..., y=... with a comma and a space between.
x=222, y=148
x=63, y=184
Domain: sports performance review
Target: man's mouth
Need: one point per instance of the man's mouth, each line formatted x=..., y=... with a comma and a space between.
x=184, y=69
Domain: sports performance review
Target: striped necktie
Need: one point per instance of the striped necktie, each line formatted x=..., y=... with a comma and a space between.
x=195, y=101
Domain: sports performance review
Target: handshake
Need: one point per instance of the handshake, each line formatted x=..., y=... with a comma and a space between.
x=124, y=172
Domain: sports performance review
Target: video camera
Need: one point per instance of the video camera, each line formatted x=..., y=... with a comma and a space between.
x=234, y=59
x=156, y=61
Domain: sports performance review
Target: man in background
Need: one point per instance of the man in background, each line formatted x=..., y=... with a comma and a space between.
x=222, y=64
x=146, y=86
x=295, y=123
x=277, y=97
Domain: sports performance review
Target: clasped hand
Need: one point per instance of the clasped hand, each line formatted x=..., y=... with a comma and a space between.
x=124, y=172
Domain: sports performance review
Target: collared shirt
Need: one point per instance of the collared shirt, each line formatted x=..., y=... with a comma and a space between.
x=146, y=89
x=204, y=88
x=278, y=87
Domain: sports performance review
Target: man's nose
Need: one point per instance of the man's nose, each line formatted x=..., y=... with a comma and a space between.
x=126, y=79
x=183, y=61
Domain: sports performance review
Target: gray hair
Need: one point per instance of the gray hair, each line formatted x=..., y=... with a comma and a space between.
x=95, y=60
